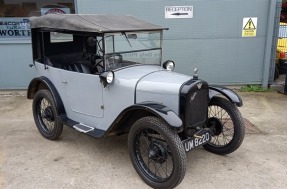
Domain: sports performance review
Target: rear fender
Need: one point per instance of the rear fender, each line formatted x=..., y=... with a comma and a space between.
x=44, y=83
x=228, y=93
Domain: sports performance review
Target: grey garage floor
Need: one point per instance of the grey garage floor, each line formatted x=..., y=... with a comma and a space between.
x=27, y=160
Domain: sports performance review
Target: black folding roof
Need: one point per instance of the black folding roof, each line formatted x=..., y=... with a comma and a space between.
x=92, y=23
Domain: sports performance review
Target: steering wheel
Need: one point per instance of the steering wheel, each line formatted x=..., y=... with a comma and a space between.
x=99, y=63
x=94, y=57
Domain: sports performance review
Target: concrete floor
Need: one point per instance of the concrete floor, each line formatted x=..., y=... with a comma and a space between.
x=27, y=160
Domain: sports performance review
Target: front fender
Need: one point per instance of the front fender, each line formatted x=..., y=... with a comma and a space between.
x=163, y=112
x=228, y=93
x=128, y=116
x=134, y=112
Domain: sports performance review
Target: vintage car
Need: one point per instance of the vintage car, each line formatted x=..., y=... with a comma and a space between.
x=103, y=75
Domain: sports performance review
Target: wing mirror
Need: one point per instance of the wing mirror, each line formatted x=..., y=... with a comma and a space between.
x=107, y=77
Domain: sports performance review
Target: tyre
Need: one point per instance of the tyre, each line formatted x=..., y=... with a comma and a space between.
x=46, y=116
x=226, y=123
x=157, y=153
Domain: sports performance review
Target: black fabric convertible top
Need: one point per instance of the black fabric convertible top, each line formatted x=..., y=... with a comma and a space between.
x=92, y=23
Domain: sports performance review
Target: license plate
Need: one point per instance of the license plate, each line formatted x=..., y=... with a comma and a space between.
x=202, y=138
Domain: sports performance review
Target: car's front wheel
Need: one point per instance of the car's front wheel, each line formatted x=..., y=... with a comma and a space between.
x=226, y=123
x=46, y=116
x=157, y=153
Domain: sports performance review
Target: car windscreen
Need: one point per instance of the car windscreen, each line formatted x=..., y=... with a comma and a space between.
x=128, y=48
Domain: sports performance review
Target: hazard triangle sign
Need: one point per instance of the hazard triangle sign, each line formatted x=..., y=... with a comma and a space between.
x=249, y=27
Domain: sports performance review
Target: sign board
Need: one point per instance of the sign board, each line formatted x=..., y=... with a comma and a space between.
x=249, y=27
x=14, y=27
x=45, y=11
x=178, y=11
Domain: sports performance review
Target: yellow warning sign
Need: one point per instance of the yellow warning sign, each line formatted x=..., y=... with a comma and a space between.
x=249, y=27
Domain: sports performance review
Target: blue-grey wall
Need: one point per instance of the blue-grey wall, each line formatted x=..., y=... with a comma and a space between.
x=211, y=40
x=15, y=58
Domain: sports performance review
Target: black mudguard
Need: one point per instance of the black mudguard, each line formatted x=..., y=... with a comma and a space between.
x=147, y=108
x=162, y=112
x=45, y=83
x=128, y=116
x=228, y=93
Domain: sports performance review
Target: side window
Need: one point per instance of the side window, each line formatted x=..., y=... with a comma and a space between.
x=67, y=51
x=57, y=37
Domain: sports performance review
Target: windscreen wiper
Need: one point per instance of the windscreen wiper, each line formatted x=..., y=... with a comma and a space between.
x=124, y=33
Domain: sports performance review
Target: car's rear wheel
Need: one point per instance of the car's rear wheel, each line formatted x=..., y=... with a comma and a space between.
x=157, y=153
x=226, y=122
x=46, y=116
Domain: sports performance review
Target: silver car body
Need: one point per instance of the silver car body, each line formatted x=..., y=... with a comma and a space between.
x=129, y=48
x=88, y=102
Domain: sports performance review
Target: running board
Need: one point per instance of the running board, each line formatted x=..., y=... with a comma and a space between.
x=83, y=128
x=94, y=132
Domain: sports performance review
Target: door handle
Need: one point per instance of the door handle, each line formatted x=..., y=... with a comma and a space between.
x=64, y=82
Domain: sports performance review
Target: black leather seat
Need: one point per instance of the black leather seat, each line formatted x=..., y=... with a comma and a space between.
x=73, y=62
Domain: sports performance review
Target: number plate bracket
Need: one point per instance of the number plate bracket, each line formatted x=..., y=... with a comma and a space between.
x=200, y=138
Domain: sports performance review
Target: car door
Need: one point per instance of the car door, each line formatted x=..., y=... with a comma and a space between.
x=84, y=93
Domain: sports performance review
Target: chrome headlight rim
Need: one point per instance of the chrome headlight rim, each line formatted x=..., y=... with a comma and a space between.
x=107, y=77
x=110, y=77
x=169, y=65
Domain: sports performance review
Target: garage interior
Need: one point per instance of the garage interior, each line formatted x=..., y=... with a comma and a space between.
x=281, y=49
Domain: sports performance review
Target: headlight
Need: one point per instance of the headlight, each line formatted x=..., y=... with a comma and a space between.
x=168, y=65
x=107, y=77
x=110, y=77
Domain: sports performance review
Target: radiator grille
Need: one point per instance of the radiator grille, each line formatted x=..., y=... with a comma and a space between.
x=196, y=107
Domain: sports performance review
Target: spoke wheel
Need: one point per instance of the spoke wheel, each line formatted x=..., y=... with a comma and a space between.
x=45, y=115
x=157, y=153
x=226, y=123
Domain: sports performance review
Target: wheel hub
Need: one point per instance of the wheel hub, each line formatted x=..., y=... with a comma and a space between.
x=215, y=125
x=157, y=152
x=48, y=114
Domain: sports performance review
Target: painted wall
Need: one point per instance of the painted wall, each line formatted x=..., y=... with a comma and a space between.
x=15, y=58
x=211, y=40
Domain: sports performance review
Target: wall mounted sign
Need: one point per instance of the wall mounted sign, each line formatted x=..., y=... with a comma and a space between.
x=249, y=27
x=178, y=11
x=14, y=27
x=45, y=11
